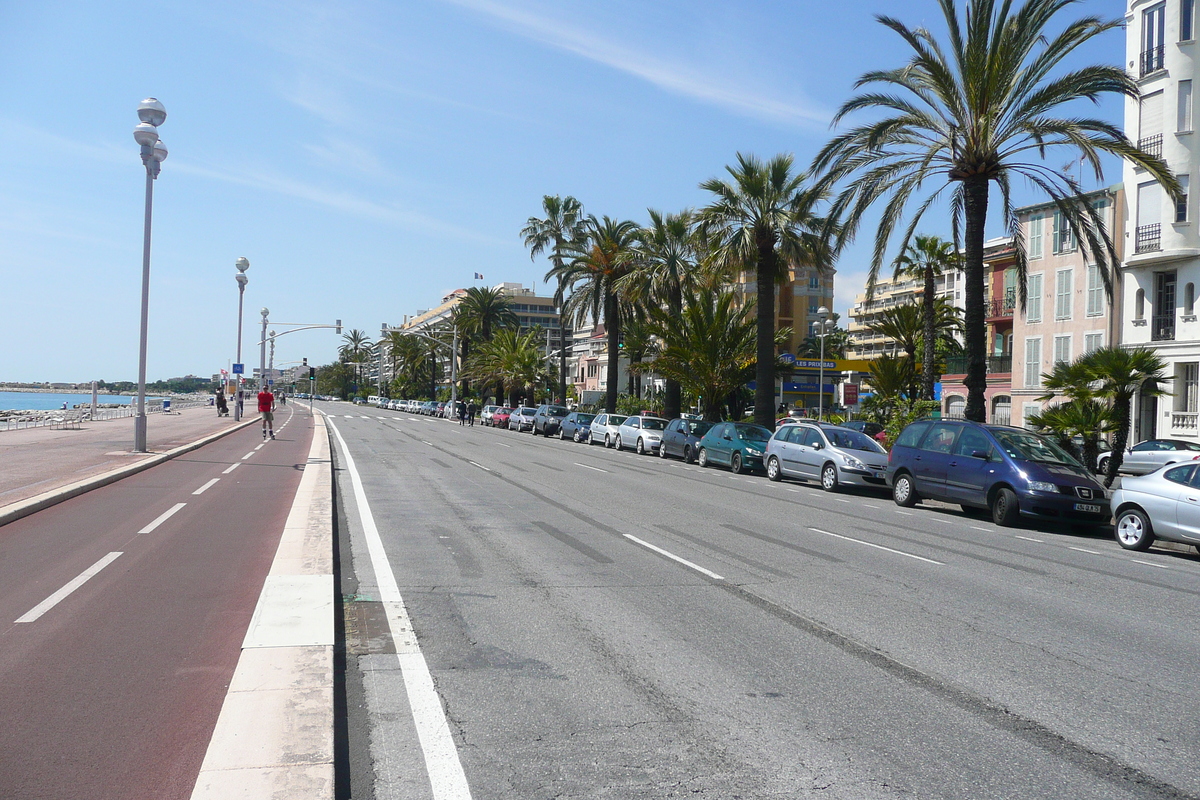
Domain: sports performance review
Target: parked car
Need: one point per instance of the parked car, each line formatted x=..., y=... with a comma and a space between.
x=682, y=438
x=577, y=426
x=641, y=433
x=863, y=426
x=604, y=429
x=522, y=419
x=500, y=417
x=833, y=455
x=1010, y=471
x=1147, y=456
x=485, y=414
x=1161, y=505
x=738, y=445
x=548, y=418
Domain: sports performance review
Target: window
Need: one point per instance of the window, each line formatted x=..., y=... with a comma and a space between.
x=912, y=434
x=1189, y=299
x=812, y=438
x=1028, y=410
x=940, y=438
x=812, y=308
x=1150, y=122
x=1139, y=304
x=1033, y=362
x=1180, y=474
x=1062, y=350
x=1153, y=37
x=1092, y=341
x=972, y=441
x=1033, y=304
x=1189, y=380
x=1064, y=239
x=1181, y=205
x=1184, y=121
x=1095, y=291
x=1187, y=13
x=1035, y=238
x=814, y=282
x=1062, y=294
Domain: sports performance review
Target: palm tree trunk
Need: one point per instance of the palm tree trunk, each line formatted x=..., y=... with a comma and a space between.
x=1121, y=411
x=764, y=369
x=975, y=191
x=673, y=394
x=929, y=368
x=612, y=321
x=466, y=351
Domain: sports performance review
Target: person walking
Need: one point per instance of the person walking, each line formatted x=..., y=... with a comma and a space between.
x=222, y=406
x=462, y=413
x=472, y=410
x=266, y=407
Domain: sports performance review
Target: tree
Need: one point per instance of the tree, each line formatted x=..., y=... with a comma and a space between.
x=907, y=327
x=478, y=314
x=927, y=259
x=592, y=266
x=1084, y=417
x=513, y=360
x=836, y=343
x=766, y=222
x=563, y=224
x=978, y=111
x=355, y=350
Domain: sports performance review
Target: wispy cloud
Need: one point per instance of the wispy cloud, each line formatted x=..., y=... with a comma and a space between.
x=681, y=79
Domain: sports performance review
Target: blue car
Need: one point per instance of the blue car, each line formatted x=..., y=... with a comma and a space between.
x=737, y=445
x=576, y=427
x=1011, y=472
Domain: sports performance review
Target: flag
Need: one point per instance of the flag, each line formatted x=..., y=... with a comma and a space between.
x=478, y=276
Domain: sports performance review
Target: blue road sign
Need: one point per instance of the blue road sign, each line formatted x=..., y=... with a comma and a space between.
x=239, y=369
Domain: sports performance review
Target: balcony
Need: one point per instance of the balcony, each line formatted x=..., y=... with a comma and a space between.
x=1184, y=422
x=1001, y=307
x=1162, y=328
x=995, y=365
x=1151, y=145
x=1152, y=60
x=1147, y=238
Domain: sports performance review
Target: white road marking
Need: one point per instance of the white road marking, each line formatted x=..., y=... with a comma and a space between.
x=878, y=547
x=206, y=486
x=985, y=530
x=841, y=500
x=502, y=444
x=231, y=468
x=905, y=513
x=674, y=557
x=946, y=521
x=163, y=517
x=252, y=452
x=1149, y=563
x=481, y=466
x=56, y=598
x=1031, y=539
x=442, y=764
x=349, y=416
x=1085, y=550
x=868, y=505
x=261, y=446
x=585, y=466
x=428, y=443
x=797, y=491
x=360, y=416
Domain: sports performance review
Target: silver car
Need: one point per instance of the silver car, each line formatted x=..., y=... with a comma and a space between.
x=1151, y=454
x=521, y=419
x=833, y=455
x=643, y=434
x=604, y=429
x=1162, y=505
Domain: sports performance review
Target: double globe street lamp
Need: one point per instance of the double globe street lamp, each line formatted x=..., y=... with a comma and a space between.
x=154, y=152
x=242, y=265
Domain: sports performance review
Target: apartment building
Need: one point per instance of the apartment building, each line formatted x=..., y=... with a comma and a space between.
x=865, y=343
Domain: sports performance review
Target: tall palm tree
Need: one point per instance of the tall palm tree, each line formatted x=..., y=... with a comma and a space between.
x=767, y=222
x=394, y=342
x=356, y=349
x=515, y=361
x=478, y=314
x=928, y=258
x=977, y=111
x=562, y=224
x=907, y=326
x=592, y=266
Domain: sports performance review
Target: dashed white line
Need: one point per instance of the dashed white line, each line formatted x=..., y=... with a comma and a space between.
x=502, y=444
x=163, y=517
x=252, y=452
x=868, y=505
x=985, y=530
x=878, y=547
x=1031, y=539
x=1085, y=550
x=795, y=491
x=674, y=557
x=231, y=468
x=261, y=446
x=206, y=486
x=841, y=500
x=585, y=466
x=905, y=513
x=1149, y=563
x=481, y=466
x=56, y=598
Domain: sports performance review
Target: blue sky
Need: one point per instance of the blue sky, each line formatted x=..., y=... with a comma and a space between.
x=368, y=157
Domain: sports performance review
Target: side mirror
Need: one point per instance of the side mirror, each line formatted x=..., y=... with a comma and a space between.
x=819, y=446
x=979, y=454
x=727, y=437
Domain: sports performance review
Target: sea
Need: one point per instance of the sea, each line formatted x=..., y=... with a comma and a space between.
x=46, y=401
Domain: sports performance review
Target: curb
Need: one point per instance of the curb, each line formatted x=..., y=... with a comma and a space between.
x=23, y=508
x=274, y=736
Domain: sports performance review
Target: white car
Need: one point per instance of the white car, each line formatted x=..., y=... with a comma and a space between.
x=643, y=434
x=604, y=429
x=521, y=419
x=485, y=414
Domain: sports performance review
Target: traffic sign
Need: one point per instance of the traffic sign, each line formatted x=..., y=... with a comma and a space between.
x=239, y=369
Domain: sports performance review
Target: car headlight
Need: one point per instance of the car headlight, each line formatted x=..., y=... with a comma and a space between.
x=1042, y=486
x=853, y=463
x=750, y=451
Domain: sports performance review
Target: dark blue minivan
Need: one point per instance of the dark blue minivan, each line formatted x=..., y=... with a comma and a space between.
x=1011, y=472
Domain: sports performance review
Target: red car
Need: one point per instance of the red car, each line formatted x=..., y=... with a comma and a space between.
x=500, y=417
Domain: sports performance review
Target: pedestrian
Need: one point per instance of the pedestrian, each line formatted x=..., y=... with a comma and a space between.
x=462, y=413
x=472, y=409
x=266, y=407
x=222, y=405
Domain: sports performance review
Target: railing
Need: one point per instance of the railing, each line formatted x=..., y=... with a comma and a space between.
x=74, y=417
x=1184, y=421
x=1152, y=60
x=1002, y=307
x=995, y=364
x=1147, y=238
x=1162, y=328
x=1151, y=145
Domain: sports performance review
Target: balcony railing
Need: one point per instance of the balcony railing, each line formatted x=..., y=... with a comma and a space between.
x=1184, y=421
x=1147, y=238
x=1162, y=328
x=1002, y=306
x=1151, y=145
x=995, y=364
x=1152, y=60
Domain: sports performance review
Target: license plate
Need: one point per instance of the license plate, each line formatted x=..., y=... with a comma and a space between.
x=1087, y=508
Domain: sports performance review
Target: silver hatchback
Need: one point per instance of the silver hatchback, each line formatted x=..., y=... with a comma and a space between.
x=1162, y=505
x=604, y=429
x=833, y=455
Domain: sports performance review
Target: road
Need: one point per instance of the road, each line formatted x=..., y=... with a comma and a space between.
x=602, y=624
x=122, y=613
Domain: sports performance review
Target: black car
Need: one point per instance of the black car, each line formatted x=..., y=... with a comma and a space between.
x=548, y=418
x=576, y=426
x=682, y=437
x=863, y=426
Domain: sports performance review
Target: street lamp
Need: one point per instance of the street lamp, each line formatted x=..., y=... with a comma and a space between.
x=262, y=352
x=823, y=316
x=242, y=265
x=154, y=152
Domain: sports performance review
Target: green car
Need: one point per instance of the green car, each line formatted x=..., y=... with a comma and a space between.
x=738, y=445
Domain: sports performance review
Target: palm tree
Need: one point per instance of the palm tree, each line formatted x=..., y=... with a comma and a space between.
x=355, y=350
x=907, y=326
x=562, y=224
x=766, y=220
x=927, y=259
x=515, y=361
x=394, y=342
x=1083, y=417
x=592, y=266
x=980, y=113
x=480, y=312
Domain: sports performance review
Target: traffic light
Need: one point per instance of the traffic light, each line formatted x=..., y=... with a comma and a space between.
x=337, y=326
x=621, y=340
x=312, y=373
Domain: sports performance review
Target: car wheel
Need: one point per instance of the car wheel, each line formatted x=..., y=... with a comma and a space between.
x=617, y=442
x=903, y=491
x=687, y=454
x=640, y=447
x=735, y=464
x=1005, y=509
x=1102, y=467
x=829, y=478
x=1133, y=530
x=607, y=441
x=702, y=458
x=533, y=430
x=773, y=469
x=662, y=449
x=562, y=435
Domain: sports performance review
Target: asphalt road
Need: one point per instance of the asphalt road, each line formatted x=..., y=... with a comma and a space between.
x=602, y=624
x=122, y=614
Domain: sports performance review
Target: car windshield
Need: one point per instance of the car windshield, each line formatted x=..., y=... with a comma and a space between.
x=584, y=419
x=1031, y=447
x=699, y=428
x=529, y=412
x=653, y=424
x=752, y=433
x=853, y=440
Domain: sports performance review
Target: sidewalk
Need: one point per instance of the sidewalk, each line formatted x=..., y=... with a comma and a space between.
x=36, y=461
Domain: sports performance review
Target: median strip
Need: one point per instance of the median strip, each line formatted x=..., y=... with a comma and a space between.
x=56, y=598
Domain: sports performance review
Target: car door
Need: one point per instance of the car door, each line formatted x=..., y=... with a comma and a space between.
x=1187, y=509
x=808, y=455
x=722, y=444
x=670, y=440
x=597, y=428
x=933, y=459
x=785, y=449
x=968, y=475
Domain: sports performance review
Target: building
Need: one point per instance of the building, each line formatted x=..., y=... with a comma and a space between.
x=589, y=366
x=1161, y=272
x=864, y=343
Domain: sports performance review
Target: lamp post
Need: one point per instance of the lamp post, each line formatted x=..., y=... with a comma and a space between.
x=823, y=316
x=242, y=265
x=154, y=152
x=262, y=352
